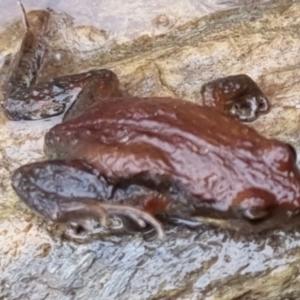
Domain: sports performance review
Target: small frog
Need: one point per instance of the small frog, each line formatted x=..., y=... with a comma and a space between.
x=147, y=158
x=185, y=159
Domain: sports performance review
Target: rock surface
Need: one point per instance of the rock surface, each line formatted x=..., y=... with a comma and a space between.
x=36, y=262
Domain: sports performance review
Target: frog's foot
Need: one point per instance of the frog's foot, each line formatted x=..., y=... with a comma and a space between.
x=76, y=210
x=90, y=208
x=237, y=96
x=136, y=215
x=246, y=108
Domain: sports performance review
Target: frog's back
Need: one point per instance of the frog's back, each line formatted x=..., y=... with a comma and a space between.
x=163, y=116
x=171, y=138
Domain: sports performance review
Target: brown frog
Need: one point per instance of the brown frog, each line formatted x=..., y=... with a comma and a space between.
x=144, y=158
x=184, y=158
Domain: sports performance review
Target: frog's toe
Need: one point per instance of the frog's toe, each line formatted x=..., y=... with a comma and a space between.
x=136, y=215
x=245, y=109
x=263, y=104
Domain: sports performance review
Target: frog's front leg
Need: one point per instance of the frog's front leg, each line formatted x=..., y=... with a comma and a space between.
x=67, y=192
x=237, y=96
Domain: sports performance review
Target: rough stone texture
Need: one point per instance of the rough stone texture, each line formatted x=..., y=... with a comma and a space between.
x=36, y=262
